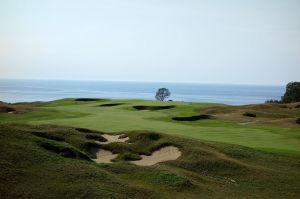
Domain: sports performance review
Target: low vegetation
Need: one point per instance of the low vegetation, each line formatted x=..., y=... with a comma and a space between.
x=291, y=95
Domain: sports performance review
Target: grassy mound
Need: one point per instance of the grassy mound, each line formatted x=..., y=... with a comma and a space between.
x=34, y=166
x=153, y=108
x=50, y=136
x=63, y=149
x=14, y=108
x=193, y=118
x=6, y=109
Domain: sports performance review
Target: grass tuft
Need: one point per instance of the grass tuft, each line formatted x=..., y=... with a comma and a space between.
x=63, y=149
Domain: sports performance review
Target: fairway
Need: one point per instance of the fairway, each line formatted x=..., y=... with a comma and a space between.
x=123, y=117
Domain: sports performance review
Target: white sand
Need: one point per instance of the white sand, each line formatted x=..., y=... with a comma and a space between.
x=113, y=138
x=161, y=155
x=104, y=156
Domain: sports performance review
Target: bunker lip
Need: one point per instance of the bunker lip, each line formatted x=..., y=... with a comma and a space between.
x=102, y=155
x=114, y=138
x=111, y=104
x=248, y=114
x=161, y=155
x=193, y=118
x=153, y=108
x=6, y=109
x=88, y=99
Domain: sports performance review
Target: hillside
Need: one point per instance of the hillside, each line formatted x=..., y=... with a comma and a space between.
x=54, y=150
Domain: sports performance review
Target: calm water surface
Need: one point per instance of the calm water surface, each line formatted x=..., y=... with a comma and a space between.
x=45, y=90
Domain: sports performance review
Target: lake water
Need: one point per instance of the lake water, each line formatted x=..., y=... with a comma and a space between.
x=45, y=90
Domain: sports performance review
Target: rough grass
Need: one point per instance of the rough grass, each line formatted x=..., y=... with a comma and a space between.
x=6, y=109
x=96, y=137
x=37, y=167
x=63, y=149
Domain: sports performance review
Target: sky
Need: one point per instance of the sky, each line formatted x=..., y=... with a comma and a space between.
x=212, y=41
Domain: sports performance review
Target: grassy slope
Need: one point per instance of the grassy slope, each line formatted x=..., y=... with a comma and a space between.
x=123, y=118
x=205, y=169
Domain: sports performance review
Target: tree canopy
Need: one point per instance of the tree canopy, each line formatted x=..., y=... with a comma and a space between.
x=292, y=93
x=162, y=94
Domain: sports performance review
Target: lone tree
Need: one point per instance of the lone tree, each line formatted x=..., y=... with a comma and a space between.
x=292, y=93
x=162, y=94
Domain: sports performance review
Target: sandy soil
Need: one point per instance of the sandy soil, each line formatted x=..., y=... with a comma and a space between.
x=161, y=155
x=114, y=138
x=104, y=156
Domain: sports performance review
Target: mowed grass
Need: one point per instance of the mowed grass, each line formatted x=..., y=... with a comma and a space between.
x=123, y=117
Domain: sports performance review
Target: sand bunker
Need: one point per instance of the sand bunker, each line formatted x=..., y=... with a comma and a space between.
x=103, y=156
x=113, y=104
x=114, y=138
x=160, y=155
x=152, y=108
x=88, y=99
x=193, y=118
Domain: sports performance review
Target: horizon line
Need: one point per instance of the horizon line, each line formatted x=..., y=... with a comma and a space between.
x=145, y=81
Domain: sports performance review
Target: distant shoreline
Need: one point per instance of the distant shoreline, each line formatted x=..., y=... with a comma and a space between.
x=47, y=90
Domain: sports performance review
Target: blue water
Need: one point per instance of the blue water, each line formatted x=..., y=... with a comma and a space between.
x=45, y=90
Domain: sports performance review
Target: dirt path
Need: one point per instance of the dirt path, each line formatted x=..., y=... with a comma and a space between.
x=161, y=155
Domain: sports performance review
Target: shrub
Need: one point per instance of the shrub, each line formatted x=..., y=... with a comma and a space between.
x=271, y=101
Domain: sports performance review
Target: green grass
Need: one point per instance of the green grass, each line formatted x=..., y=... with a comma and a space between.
x=125, y=118
x=206, y=169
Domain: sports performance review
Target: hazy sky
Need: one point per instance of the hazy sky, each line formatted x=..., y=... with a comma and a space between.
x=236, y=42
